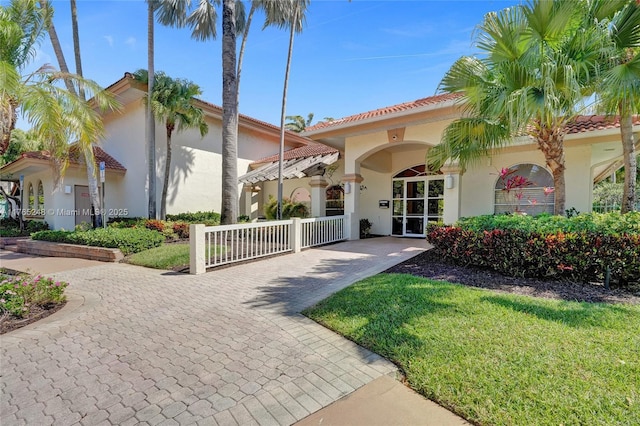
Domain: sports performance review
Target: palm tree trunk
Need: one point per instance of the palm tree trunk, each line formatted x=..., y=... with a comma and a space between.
x=282, y=119
x=167, y=172
x=551, y=143
x=57, y=48
x=229, y=210
x=76, y=45
x=90, y=161
x=630, y=166
x=8, y=120
x=151, y=124
x=242, y=46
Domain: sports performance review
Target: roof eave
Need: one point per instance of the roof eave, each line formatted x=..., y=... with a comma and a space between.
x=332, y=129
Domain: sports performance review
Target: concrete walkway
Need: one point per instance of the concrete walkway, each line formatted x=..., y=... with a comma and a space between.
x=140, y=346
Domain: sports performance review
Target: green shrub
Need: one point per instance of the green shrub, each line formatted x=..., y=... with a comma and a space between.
x=612, y=223
x=289, y=209
x=21, y=292
x=208, y=218
x=132, y=240
x=11, y=227
x=126, y=222
x=578, y=256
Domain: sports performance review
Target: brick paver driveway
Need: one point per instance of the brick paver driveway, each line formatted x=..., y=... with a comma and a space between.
x=136, y=345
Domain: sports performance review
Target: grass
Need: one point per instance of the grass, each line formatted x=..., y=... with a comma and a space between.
x=494, y=358
x=167, y=256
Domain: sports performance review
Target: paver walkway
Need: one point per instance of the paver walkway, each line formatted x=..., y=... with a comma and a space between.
x=136, y=345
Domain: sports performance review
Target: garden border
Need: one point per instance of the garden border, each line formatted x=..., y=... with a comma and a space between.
x=47, y=248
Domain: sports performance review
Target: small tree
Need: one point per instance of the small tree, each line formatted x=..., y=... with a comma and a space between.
x=172, y=103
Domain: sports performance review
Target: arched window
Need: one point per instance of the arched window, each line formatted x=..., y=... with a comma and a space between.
x=335, y=200
x=524, y=188
x=301, y=195
x=31, y=199
x=416, y=171
x=40, y=205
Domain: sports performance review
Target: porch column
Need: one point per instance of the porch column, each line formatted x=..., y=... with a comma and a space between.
x=351, y=183
x=250, y=200
x=318, y=186
x=452, y=190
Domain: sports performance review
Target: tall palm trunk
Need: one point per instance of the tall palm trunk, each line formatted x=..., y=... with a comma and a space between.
x=57, y=48
x=229, y=210
x=76, y=44
x=167, y=172
x=8, y=119
x=283, y=115
x=89, y=159
x=551, y=143
x=254, y=6
x=630, y=166
x=151, y=123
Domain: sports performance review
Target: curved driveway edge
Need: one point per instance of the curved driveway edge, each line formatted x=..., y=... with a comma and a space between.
x=226, y=347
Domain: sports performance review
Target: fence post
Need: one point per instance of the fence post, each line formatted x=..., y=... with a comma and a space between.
x=197, y=249
x=296, y=234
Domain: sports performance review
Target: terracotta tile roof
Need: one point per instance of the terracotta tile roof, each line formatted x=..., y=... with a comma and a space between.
x=75, y=158
x=310, y=150
x=589, y=123
x=432, y=100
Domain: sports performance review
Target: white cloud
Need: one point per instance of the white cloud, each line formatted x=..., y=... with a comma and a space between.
x=131, y=42
x=109, y=40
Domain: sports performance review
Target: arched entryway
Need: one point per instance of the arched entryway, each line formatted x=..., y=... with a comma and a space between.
x=418, y=198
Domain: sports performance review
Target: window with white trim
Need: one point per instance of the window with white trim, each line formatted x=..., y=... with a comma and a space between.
x=524, y=188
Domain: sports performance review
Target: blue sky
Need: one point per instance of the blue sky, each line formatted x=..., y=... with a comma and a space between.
x=351, y=57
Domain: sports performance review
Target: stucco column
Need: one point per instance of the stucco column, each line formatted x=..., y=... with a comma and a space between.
x=452, y=190
x=318, y=186
x=351, y=183
x=250, y=200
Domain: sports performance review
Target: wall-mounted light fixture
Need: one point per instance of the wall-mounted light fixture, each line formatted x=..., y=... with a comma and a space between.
x=347, y=187
x=67, y=189
x=448, y=182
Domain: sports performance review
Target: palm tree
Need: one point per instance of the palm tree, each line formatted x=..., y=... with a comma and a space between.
x=297, y=123
x=172, y=102
x=57, y=116
x=285, y=14
x=538, y=64
x=202, y=21
x=620, y=86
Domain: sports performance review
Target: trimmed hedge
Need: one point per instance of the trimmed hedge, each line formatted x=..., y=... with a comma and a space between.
x=208, y=218
x=578, y=256
x=131, y=240
x=612, y=223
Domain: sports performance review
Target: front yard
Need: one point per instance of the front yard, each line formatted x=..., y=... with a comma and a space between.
x=498, y=358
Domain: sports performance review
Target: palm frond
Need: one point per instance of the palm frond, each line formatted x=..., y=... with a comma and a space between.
x=202, y=20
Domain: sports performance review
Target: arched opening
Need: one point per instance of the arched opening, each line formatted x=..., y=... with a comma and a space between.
x=40, y=205
x=335, y=200
x=31, y=199
x=524, y=188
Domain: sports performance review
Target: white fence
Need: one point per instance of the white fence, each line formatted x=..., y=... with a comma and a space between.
x=220, y=245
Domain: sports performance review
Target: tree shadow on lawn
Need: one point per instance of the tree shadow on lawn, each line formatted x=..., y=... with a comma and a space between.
x=379, y=313
x=573, y=314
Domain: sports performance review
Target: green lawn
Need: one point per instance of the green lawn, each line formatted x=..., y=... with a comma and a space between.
x=166, y=256
x=494, y=358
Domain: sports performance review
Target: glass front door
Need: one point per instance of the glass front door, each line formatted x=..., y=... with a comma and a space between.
x=416, y=201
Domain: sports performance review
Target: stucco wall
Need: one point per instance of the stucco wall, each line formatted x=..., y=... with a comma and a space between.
x=478, y=182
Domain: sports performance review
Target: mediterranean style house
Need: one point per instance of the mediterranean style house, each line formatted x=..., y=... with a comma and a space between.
x=381, y=175
x=367, y=166
x=195, y=181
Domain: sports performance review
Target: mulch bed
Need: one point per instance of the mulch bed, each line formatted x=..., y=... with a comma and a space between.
x=430, y=265
x=9, y=323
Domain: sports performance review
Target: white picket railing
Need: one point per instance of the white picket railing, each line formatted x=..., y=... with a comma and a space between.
x=322, y=230
x=212, y=246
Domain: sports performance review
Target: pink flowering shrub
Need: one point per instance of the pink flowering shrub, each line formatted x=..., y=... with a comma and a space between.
x=19, y=293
